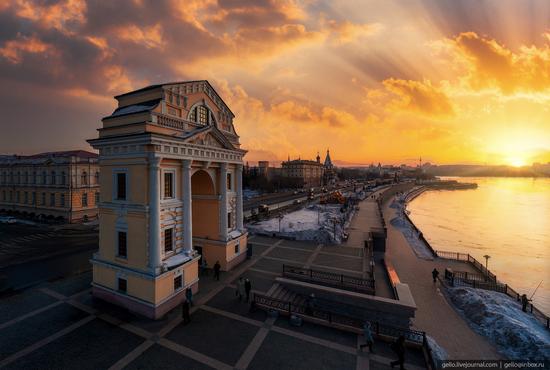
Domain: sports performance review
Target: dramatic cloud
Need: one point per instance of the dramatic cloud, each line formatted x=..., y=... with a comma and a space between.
x=418, y=96
x=374, y=81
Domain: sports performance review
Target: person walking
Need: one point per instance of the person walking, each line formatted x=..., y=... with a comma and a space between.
x=240, y=289
x=217, y=268
x=435, y=274
x=524, y=302
x=247, y=288
x=189, y=296
x=399, y=348
x=185, y=313
x=368, y=337
x=204, y=266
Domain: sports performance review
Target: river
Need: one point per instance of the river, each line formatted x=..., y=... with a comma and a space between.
x=505, y=218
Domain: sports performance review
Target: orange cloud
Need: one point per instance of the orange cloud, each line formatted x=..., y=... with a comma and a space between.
x=13, y=50
x=346, y=31
x=150, y=37
x=494, y=65
x=421, y=97
x=56, y=15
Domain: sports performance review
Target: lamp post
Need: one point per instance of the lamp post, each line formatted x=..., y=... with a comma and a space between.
x=280, y=217
x=486, y=263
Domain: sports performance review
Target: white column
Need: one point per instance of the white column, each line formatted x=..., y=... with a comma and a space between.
x=223, y=201
x=187, y=205
x=239, y=186
x=154, y=213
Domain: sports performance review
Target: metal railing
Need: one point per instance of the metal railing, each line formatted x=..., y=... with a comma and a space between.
x=312, y=311
x=467, y=258
x=342, y=281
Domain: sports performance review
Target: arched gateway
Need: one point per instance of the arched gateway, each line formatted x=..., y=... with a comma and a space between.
x=171, y=184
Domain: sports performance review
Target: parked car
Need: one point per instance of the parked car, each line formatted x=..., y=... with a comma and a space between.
x=8, y=220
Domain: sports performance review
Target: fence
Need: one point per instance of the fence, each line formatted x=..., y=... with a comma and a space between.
x=467, y=258
x=328, y=278
x=305, y=310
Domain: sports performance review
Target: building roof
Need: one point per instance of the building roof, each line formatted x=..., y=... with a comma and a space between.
x=135, y=108
x=156, y=86
x=66, y=153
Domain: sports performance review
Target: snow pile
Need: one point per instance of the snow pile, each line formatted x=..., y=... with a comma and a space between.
x=518, y=335
x=438, y=353
x=410, y=234
x=311, y=223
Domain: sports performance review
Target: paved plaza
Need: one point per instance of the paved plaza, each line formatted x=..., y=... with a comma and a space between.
x=60, y=325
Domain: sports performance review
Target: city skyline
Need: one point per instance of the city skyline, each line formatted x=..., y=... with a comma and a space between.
x=453, y=82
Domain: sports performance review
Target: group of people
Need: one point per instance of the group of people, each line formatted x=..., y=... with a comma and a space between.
x=244, y=287
x=398, y=346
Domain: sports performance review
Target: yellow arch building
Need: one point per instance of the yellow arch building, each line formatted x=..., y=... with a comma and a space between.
x=171, y=194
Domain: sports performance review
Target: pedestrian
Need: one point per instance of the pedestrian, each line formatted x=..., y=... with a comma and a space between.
x=189, y=296
x=247, y=288
x=524, y=302
x=368, y=337
x=435, y=274
x=399, y=348
x=217, y=268
x=204, y=265
x=185, y=312
x=310, y=304
x=240, y=289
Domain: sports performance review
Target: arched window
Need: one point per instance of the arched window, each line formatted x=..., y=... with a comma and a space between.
x=84, y=178
x=53, y=180
x=201, y=114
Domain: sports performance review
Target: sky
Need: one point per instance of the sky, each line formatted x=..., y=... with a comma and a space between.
x=375, y=81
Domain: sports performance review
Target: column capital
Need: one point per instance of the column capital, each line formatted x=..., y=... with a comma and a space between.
x=186, y=163
x=154, y=161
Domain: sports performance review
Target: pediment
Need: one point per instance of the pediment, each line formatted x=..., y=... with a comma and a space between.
x=211, y=138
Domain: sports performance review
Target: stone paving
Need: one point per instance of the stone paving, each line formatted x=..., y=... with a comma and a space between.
x=60, y=325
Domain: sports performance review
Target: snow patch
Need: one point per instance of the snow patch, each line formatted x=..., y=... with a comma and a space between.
x=410, y=234
x=438, y=353
x=518, y=335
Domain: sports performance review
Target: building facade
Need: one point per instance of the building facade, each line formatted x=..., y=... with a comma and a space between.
x=171, y=182
x=56, y=185
x=307, y=173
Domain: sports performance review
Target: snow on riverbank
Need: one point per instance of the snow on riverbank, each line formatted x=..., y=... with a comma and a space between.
x=518, y=335
x=311, y=223
x=412, y=237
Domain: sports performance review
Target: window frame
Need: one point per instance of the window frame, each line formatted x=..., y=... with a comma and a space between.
x=119, y=280
x=118, y=246
x=115, y=195
x=172, y=240
x=180, y=278
x=84, y=199
x=172, y=173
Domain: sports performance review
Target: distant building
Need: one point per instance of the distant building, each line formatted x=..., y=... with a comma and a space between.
x=55, y=185
x=306, y=172
x=329, y=174
x=171, y=170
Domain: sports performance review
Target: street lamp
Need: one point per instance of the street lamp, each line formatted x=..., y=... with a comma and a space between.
x=280, y=217
x=487, y=263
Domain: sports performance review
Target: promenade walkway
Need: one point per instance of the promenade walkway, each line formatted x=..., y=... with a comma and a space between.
x=434, y=314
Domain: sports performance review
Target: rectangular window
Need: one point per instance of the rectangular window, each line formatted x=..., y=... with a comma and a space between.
x=17, y=197
x=168, y=240
x=96, y=199
x=43, y=199
x=33, y=198
x=121, y=186
x=168, y=185
x=229, y=181
x=26, y=198
x=122, y=285
x=178, y=282
x=229, y=219
x=122, y=247
x=62, y=200
x=237, y=248
x=85, y=200
x=52, y=200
